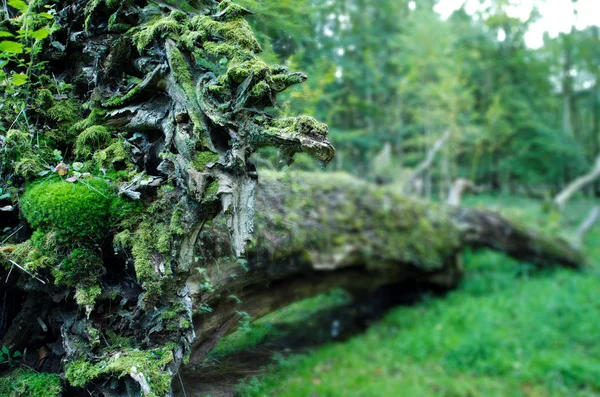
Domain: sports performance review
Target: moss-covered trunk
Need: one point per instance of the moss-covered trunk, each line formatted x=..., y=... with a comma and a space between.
x=315, y=232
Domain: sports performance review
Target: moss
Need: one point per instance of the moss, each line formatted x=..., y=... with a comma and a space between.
x=92, y=139
x=114, y=153
x=17, y=144
x=202, y=159
x=160, y=27
x=152, y=363
x=82, y=268
x=45, y=99
x=211, y=192
x=86, y=296
x=28, y=167
x=239, y=71
x=150, y=248
x=360, y=224
x=121, y=100
x=181, y=71
x=66, y=111
x=75, y=211
x=261, y=89
x=230, y=10
x=96, y=116
x=236, y=31
x=24, y=382
x=297, y=126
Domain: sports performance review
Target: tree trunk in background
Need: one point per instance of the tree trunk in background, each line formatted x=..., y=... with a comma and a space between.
x=567, y=87
x=596, y=110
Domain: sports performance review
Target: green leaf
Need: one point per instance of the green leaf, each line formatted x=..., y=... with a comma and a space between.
x=5, y=350
x=41, y=34
x=11, y=47
x=18, y=4
x=18, y=79
x=5, y=34
x=46, y=15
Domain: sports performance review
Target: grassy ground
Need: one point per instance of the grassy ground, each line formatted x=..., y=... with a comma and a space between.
x=507, y=331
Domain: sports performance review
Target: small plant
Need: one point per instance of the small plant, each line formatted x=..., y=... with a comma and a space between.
x=6, y=357
x=244, y=320
x=4, y=194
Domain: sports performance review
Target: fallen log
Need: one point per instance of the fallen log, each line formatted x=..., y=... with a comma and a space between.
x=316, y=232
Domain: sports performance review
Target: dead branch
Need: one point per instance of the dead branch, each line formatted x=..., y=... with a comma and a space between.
x=588, y=224
x=460, y=187
x=426, y=164
x=561, y=199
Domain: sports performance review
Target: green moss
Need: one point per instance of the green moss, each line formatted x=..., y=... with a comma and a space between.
x=115, y=153
x=86, y=296
x=202, y=159
x=66, y=111
x=92, y=139
x=95, y=117
x=74, y=210
x=82, y=268
x=236, y=31
x=28, y=167
x=364, y=224
x=211, y=192
x=261, y=89
x=24, y=382
x=229, y=10
x=297, y=126
x=150, y=248
x=158, y=28
x=151, y=363
x=17, y=144
x=181, y=71
x=45, y=99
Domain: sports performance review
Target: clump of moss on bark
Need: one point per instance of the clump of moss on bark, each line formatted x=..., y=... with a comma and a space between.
x=152, y=364
x=74, y=210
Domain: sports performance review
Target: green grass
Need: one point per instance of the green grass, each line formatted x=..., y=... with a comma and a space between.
x=507, y=331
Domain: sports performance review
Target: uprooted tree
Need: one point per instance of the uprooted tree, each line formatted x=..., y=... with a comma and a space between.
x=128, y=125
x=128, y=198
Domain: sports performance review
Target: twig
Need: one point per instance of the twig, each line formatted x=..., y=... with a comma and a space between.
x=181, y=382
x=12, y=234
x=20, y=267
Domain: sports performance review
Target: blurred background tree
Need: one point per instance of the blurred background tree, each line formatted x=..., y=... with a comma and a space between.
x=392, y=76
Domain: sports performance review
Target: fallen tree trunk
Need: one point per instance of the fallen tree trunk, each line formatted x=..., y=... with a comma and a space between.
x=316, y=232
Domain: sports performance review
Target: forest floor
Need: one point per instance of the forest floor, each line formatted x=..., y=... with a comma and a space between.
x=508, y=330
